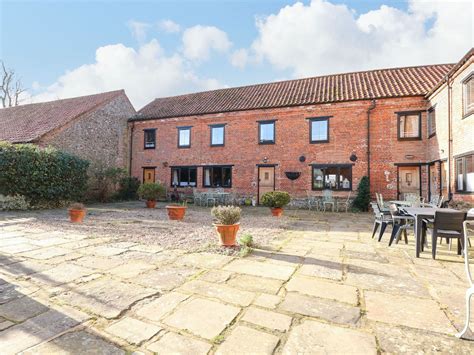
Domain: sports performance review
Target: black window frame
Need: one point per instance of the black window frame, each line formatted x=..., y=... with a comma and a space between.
x=184, y=128
x=409, y=113
x=179, y=168
x=431, y=121
x=260, y=123
x=212, y=167
x=318, y=119
x=149, y=130
x=465, y=82
x=326, y=166
x=462, y=159
x=219, y=125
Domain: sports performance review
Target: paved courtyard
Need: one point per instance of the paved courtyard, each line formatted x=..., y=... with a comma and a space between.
x=321, y=286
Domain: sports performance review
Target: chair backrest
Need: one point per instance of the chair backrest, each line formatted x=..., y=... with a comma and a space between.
x=327, y=195
x=349, y=196
x=375, y=208
x=394, y=210
x=452, y=221
x=440, y=201
x=411, y=197
x=466, y=251
x=434, y=200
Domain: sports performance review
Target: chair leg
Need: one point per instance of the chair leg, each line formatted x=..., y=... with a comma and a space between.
x=460, y=245
x=469, y=293
x=382, y=230
x=433, y=246
x=406, y=235
x=374, y=230
x=393, y=236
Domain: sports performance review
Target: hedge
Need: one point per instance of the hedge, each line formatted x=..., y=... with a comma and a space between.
x=41, y=175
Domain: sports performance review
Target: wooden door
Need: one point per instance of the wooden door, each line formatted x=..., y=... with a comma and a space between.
x=266, y=180
x=408, y=180
x=148, y=175
x=434, y=181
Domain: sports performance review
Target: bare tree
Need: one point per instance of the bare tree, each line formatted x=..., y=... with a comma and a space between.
x=10, y=87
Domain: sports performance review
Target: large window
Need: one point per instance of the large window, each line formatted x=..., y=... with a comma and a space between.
x=431, y=122
x=319, y=130
x=468, y=95
x=184, y=137
x=332, y=177
x=217, y=135
x=149, y=138
x=465, y=173
x=409, y=126
x=217, y=176
x=266, y=132
x=184, y=176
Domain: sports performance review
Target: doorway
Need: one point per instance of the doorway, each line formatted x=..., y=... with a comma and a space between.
x=266, y=180
x=409, y=181
x=148, y=175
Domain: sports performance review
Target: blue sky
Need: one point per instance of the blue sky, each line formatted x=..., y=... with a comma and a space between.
x=55, y=46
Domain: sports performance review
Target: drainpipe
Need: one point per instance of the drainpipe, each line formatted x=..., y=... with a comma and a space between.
x=450, y=139
x=371, y=107
x=130, y=152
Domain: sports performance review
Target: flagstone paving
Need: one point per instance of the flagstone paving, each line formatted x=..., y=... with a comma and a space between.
x=320, y=286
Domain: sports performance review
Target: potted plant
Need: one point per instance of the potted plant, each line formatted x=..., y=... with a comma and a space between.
x=276, y=200
x=176, y=212
x=150, y=192
x=227, y=223
x=77, y=211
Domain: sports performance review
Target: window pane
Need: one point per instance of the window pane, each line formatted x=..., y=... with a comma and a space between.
x=226, y=177
x=469, y=95
x=267, y=132
x=175, y=177
x=460, y=175
x=183, y=177
x=149, y=138
x=184, y=137
x=216, y=177
x=207, y=177
x=319, y=131
x=409, y=126
x=345, y=178
x=431, y=122
x=318, y=179
x=469, y=173
x=330, y=178
x=217, y=135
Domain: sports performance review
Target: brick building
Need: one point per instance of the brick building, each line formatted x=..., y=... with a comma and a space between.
x=92, y=127
x=327, y=132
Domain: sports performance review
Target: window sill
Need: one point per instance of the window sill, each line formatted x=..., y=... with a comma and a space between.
x=217, y=145
x=409, y=139
x=148, y=148
x=464, y=192
x=319, y=142
x=184, y=146
x=466, y=115
x=266, y=143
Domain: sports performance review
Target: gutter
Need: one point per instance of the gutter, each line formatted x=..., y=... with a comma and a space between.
x=371, y=107
x=130, y=150
x=450, y=138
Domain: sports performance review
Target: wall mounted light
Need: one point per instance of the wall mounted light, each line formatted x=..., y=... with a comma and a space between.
x=409, y=156
x=265, y=159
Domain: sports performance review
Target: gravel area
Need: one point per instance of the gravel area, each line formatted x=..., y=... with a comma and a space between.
x=132, y=222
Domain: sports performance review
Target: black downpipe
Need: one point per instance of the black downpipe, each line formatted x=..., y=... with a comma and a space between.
x=130, y=150
x=371, y=107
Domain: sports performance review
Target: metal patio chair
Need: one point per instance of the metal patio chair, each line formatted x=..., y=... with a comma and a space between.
x=400, y=223
x=328, y=200
x=312, y=201
x=382, y=219
x=345, y=203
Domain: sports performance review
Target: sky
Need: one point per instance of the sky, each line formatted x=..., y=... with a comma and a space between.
x=152, y=49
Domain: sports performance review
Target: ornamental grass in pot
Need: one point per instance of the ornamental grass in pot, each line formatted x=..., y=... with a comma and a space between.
x=227, y=223
x=77, y=212
x=151, y=191
x=276, y=200
x=176, y=212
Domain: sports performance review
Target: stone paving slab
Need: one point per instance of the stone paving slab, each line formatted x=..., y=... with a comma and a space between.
x=159, y=307
x=165, y=278
x=267, y=319
x=172, y=343
x=262, y=269
x=133, y=330
x=244, y=340
x=254, y=283
x=21, y=309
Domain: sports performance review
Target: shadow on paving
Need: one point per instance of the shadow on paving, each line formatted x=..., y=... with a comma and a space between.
x=27, y=323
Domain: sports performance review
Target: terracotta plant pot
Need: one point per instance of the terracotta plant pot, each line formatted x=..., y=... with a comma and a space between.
x=176, y=213
x=150, y=204
x=76, y=216
x=277, y=211
x=227, y=233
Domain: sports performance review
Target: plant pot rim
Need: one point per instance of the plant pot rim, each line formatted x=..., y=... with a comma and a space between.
x=179, y=207
x=76, y=209
x=276, y=208
x=220, y=225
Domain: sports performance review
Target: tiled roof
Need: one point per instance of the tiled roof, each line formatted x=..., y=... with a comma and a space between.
x=27, y=123
x=410, y=81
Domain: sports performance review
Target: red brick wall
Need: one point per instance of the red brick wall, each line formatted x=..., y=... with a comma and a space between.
x=348, y=134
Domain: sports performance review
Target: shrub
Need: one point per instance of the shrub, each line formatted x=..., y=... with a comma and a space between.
x=151, y=191
x=362, y=200
x=107, y=181
x=276, y=199
x=43, y=176
x=15, y=202
x=226, y=214
x=128, y=187
x=246, y=240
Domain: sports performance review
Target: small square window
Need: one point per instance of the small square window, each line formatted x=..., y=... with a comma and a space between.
x=149, y=138
x=217, y=176
x=217, y=135
x=319, y=130
x=184, y=137
x=266, y=132
x=409, y=126
x=468, y=95
x=465, y=174
x=431, y=122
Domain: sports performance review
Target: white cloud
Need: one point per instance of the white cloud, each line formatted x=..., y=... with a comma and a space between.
x=239, y=58
x=199, y=41
x=321, y=37
x=169, y=26
x=145, y=74
x=139, y=29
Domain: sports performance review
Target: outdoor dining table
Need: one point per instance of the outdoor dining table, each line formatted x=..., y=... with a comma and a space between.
x=409, y=203
x=420, y=213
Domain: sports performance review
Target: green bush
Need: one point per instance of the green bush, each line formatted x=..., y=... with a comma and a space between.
x=43, y=176
x=12, y=203
x=106, y=181
x=128, y=187
x=151, y=191
x=362, y=200
x=276, y=199
x=226, y=215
